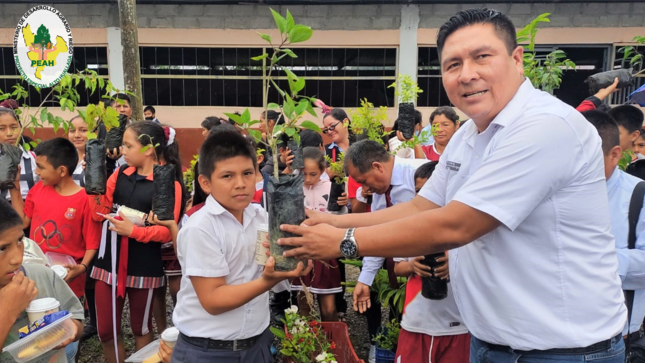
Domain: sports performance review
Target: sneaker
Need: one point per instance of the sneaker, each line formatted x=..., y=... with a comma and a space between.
x=89, y=332
x=372, y=356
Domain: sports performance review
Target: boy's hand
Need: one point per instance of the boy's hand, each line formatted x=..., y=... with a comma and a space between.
x=17, y=295
x=342, y=200
x=165, y=352
x=420, y=269
x=361, y=297
x=604, y=92
x=73, y=271
x=443, y=271
x=189, y=204
x=399, y=136
x=17, y=181
x=115, y=153
x=73, y=338
x=122, y=226
x=170, y=224
x=273, y=277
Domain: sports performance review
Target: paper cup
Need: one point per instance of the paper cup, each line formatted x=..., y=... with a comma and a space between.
x=41, y=307
x=261, y=251
x=170, y=336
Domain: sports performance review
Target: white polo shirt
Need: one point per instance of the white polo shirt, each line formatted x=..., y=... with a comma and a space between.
x=213, y=243
x=403, y=190
x=548, y=276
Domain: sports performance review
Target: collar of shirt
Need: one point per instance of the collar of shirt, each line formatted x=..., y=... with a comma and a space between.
x=397, y=172
x=131, y=170
x=334, y=145
x=613, y=180
x=250, y=212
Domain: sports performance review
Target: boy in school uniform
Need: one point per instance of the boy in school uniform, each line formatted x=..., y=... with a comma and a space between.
x=222, y=309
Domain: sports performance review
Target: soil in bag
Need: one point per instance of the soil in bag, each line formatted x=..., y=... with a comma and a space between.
x=9, y=161
x=406, y=120
x=95, y=170
x=296, y=151
x=163, y=199
x=433, y=288
x=334, y=193
x=114, y=137
x=605, y=79
x=286, y=201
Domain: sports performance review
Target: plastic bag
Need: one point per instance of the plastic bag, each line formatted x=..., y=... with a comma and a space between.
x=335, y=192
x=163, y=199
x=296, y=151
x=602, y=80
x=9, y=161
x=114, y=137
x=95, y=170
x=286, y=201
x=432, y=287
x=406, y=120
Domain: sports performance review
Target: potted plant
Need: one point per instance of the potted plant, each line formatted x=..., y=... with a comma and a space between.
x=368, y=121
x=407, y=91
x=337, y=182
x=386, y=341
x=284, y=192
x=189, y=175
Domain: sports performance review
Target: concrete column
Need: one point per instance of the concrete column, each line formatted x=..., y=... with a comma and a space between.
x=408, y=48
x=115, y=57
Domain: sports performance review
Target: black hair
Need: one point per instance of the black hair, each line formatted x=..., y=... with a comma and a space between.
x=274, y=116
x=447, y=111
x=199, y=195
x=231, y=121
x=628, y=116
x=12, y=113
x=223, y=127
x=637, y=169
x=150, y=108
x=59, y=152
x=9, y=218
x=418, y=117
x=363, y=153
x=310, y=138
x=316, y=155
x=425, y=171
x=210, y=122
x=607, y=129
x=340, y=115
x=170, y=153
x=503, y=26
x=119, y=96
x=222, y=145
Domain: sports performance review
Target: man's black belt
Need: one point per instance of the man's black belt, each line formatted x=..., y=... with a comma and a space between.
x=234, y=345
x=594, y=348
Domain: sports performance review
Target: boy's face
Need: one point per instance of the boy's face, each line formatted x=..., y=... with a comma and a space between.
x=232, y=183
x=123, y=108
x=11, y=250
x=148, y=114
x=627, y=139
x=419, y=183
x=47, y=173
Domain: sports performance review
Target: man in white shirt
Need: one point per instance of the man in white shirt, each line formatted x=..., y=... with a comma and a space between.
x=534, y=267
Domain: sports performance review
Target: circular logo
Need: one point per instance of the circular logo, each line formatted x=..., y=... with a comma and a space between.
x=42, y=46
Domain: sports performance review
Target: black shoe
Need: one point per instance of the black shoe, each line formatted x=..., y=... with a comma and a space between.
x=89, y=332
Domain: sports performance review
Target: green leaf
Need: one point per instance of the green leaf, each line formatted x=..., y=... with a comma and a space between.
x=289, y=52
x=286, y=352
x=63, y=100
x=310, y=109
x=26, y=146
x=266, y=37
x=235, y=117
x=33, y=143
x=302, y=106
x=260, y=57
x=278, y=332
x=280, y=22
x=313, y=127
x=273, y=106
x=300, y=33
x=257, y=135
x=246, y=116
x=91, y=135
x=55, y=128
x=43, y=115
x=290, y=22
x=297, y=86
x=290, y=131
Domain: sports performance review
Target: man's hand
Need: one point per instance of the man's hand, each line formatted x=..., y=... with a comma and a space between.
x=366, y=193
x=315, y=217
x=165, y=352
x=603, y=93
x=361, y=297
x=115, y=153
x=17, y=295
x=320, y=242
x=123, y=227
x=273, y=277
x=74, y=271
x=443, y=271
x=419, y=268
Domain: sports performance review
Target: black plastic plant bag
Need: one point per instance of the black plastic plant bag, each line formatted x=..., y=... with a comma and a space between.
x=335, y=192
x=602, y=80
x=432, y=287
x=406, y=120
x=114, y=137
x=163, y=199
x=9, y=161
x=95, y=169
x=286, y=201
x=296, y=151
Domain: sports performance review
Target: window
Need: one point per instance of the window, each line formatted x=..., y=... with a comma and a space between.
x=429, y=79
x=178, y=76
x=621, y=96
x=93, y=58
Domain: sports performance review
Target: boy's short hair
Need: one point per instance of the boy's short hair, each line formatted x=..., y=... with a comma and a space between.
x=221, y=145
x=310, y=138
x=607, y=129
x=59, y=152
x=9, y=218
x=150, y=108
x=425, y=171
x=627, y=116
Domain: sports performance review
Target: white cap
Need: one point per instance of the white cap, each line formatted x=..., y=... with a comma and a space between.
x=60, y=271
x=170, y=335
x=44, y=304
x=263, y=227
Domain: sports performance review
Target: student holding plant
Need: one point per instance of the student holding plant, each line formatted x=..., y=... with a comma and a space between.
x=10, y=129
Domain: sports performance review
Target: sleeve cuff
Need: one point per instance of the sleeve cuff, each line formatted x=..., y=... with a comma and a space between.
x=595, y=100
x=366, y=278
x=137, y=233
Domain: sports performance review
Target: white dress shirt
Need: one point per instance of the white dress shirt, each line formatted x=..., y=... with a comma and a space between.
x=213, y=243
x=403, y=190
x=631, y=263
x=547, y=277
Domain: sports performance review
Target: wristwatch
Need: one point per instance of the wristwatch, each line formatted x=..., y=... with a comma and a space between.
x=348, y=246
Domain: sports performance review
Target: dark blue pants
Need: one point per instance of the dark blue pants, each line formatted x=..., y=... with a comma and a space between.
x=259, y=353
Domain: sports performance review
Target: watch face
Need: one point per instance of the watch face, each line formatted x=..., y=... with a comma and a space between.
x=348, y=248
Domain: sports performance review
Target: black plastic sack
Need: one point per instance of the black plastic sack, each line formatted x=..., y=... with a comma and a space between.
x=286, y=200
x=296, y=151
x=95, y=169
x=602, y=80
x=432, y=287
x=406, y=120
x=163, y=199
x=335, y=192
x=114, y=137
x=9, y=161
